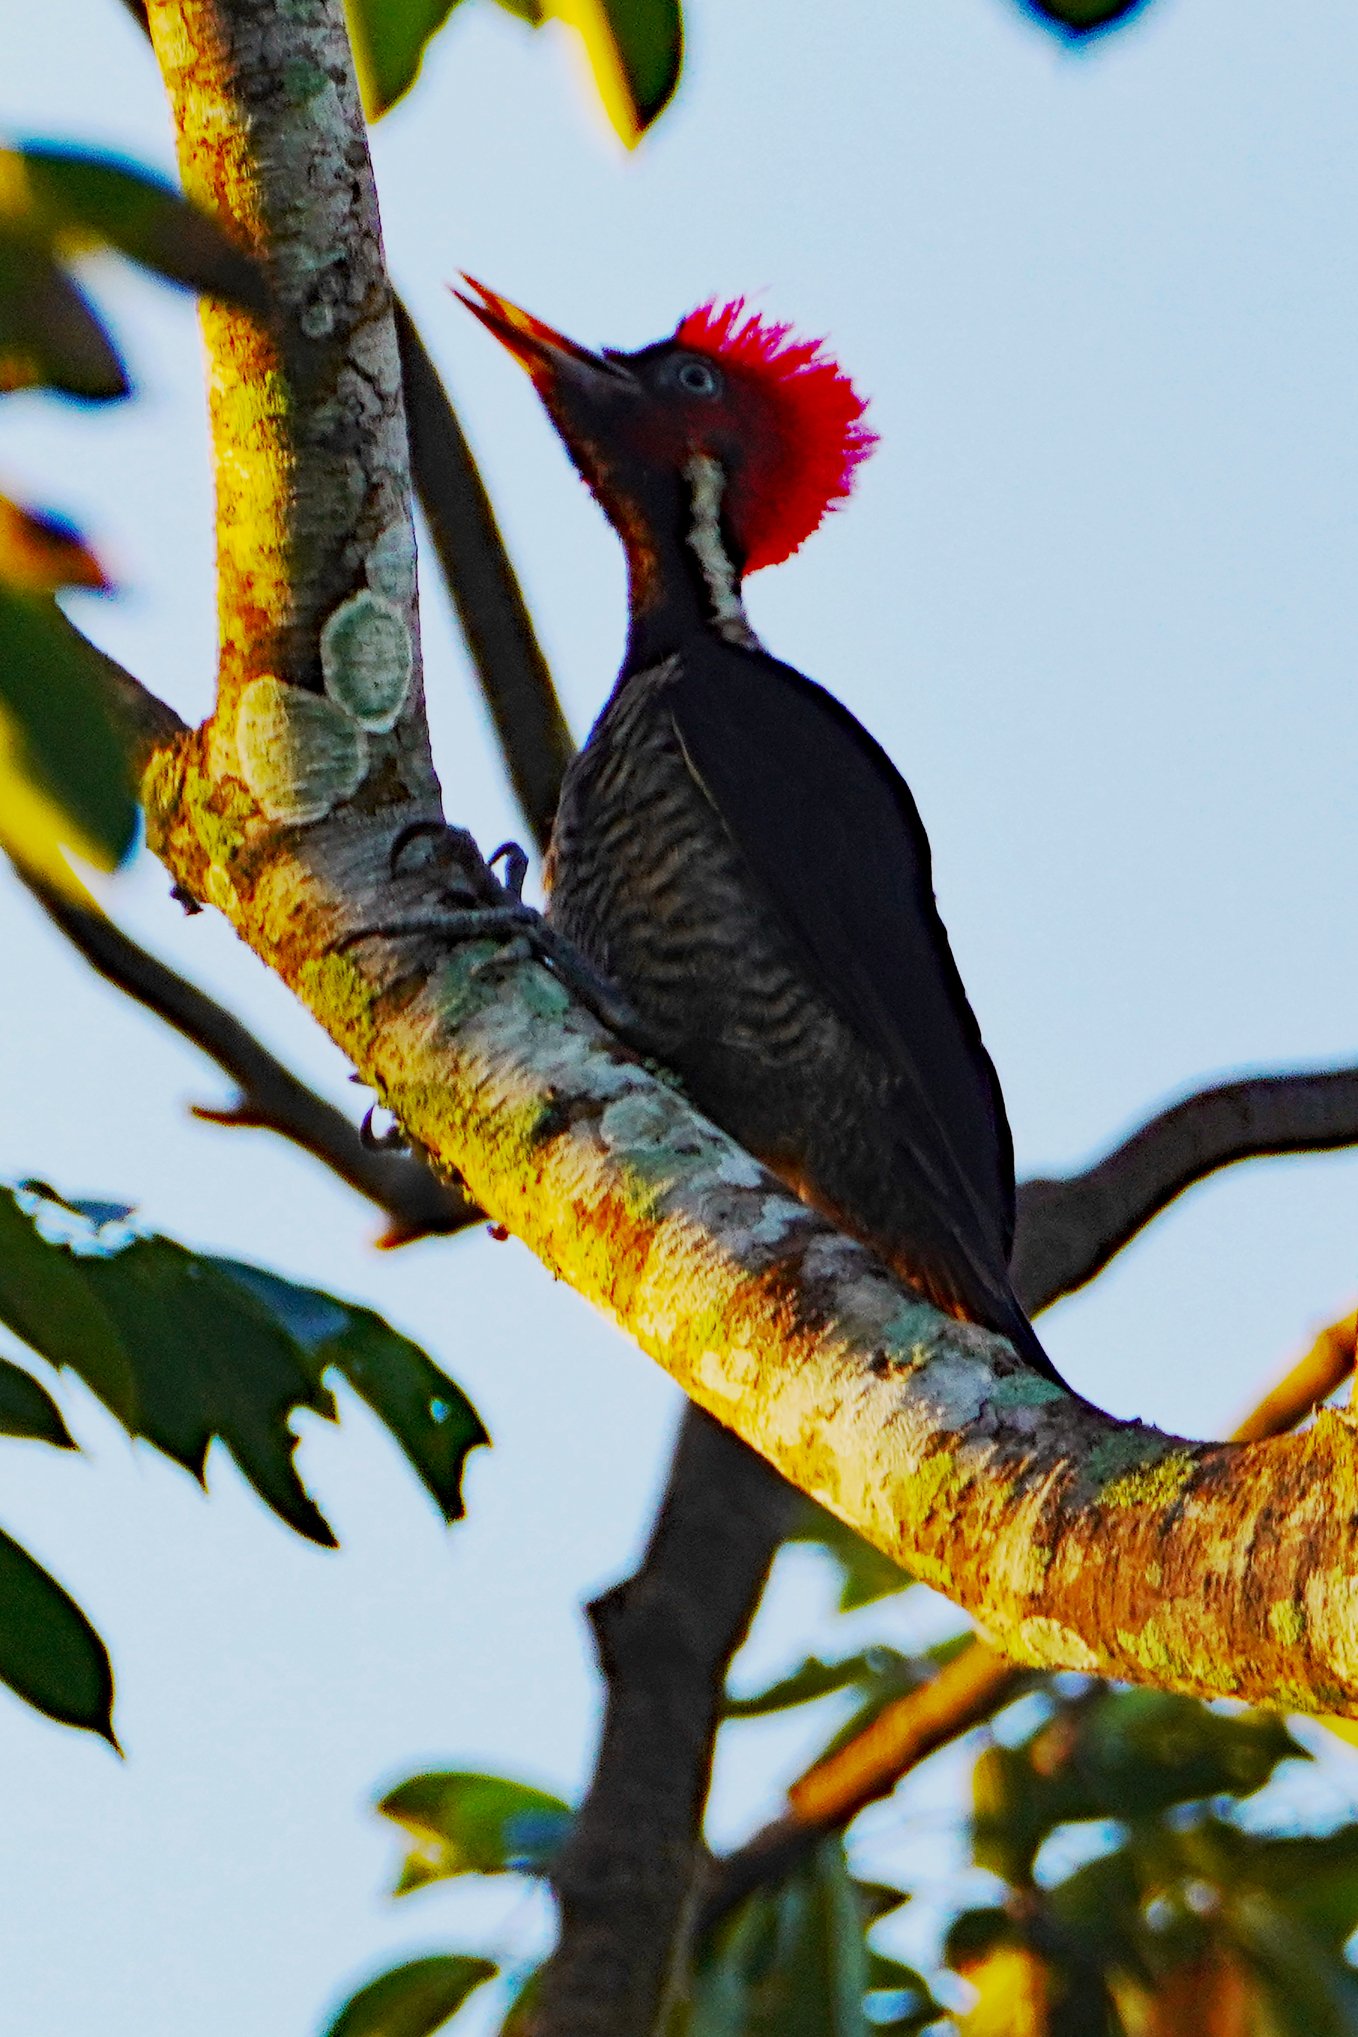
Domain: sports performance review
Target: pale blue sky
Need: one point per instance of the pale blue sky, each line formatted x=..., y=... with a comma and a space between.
x=1095, y=594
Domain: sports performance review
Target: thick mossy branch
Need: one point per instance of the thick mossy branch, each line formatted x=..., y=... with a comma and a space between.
x=1076, y=1541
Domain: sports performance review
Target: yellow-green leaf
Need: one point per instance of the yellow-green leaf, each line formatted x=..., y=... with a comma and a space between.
x=635, y=50
x=389, y=39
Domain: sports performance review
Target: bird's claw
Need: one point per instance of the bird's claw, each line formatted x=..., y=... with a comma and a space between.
x=392, y=1140
x=522, y=931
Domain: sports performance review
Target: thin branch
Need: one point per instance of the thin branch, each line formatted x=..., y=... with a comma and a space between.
x=514, y=675
x=966, y=1691
x=1068, y=1230
x=970, y=1689
x=1309, y=1384
x=271, y=1096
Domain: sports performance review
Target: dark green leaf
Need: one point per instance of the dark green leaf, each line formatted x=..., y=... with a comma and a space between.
x=390, y=38
x=183, y=1347
x=431, y=1418
x=412, y=2000
x=49, y=1652
x=1077, y=19
x=530, y=11
x=64, y=776
x=790, y=1962
x=1313, y=1992
x=77, y=193
x=1120, y=1754
x=636, y=51
x=867, y=1574
x=474, y=1824
x=49, y=336
x=816, y=1679
x=28, y=1409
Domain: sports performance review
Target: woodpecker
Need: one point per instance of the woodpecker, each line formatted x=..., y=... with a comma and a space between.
x=732, y=849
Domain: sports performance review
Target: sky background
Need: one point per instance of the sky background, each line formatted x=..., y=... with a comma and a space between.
x=1094, y=594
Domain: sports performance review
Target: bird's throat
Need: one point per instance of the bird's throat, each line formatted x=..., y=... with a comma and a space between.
x=706, y=540
x=685, y=581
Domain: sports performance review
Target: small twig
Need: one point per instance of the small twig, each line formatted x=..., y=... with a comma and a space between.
x=1068, y=1230
x=510, y=665
x=968, y=1690
x=271, y=1096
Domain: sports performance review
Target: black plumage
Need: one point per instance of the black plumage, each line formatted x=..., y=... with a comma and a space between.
x=744, y=861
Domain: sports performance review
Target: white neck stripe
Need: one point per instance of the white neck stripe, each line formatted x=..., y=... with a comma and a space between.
x=707, y=481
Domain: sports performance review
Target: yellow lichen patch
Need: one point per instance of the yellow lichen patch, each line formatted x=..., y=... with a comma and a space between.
x=337, y=992
x=1047, y=1644
x=1287, y=1621
x=218, y=889
x=1331, y=1612
x=1157, y=1484
x=1163, y=1649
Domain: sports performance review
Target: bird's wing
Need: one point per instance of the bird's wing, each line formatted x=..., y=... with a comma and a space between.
x=833, y=838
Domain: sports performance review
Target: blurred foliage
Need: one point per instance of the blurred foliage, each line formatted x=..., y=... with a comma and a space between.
x=1183, y=1915
x=64, y=777
x=59, y=203
x=1080, y=18
x=412, y=2000
x=473, y=1824
x=64, y=781
x=634, y=48
x=184, y=1348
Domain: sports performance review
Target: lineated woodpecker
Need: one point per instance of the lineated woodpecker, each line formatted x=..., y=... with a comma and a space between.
x=732, y=849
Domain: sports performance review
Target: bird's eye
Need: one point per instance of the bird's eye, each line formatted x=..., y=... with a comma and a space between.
x=698, y=378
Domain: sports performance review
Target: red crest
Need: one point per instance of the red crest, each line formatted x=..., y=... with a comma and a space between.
x=811, y=437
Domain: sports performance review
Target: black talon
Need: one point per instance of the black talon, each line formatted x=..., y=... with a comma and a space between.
x=516, y=868
x=393, y=1140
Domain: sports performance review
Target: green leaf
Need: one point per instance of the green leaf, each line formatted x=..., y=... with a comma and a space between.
x=636, y=52
x=816, y=1679
x=1121, y=1754
x=77, y=196
x=412, y=2000
x=867, y=1574
x=49, y=1653
x=1076, y=19
x=49, y=335
x=28, y=1409
x=64, y=776
x=182, y=1347
x=473, y=1824
x=790, y=1962
x=430, y=1417
x=389, y=39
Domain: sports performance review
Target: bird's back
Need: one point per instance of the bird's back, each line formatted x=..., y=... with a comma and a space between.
x=651, y=876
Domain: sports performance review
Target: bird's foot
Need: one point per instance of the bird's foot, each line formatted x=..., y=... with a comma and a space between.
x=476, y=905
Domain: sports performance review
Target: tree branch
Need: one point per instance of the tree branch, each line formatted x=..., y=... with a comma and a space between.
x=664, y=1639
x=1060, y=1252
x=1068, y=1230
x=968, y=1690
x=513, y=673
x=271, y=1096
x=1076, y=1541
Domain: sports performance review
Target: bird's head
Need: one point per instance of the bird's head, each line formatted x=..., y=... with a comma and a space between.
x=732, y=418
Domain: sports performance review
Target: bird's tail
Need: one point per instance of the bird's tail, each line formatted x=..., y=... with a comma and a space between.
x=1027, y=1343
